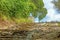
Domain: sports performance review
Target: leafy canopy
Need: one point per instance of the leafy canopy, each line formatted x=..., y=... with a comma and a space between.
x=22, y=8
x=57, y=4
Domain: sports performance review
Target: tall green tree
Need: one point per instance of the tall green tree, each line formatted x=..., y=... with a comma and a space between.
x=22, y=8
x=57, y=4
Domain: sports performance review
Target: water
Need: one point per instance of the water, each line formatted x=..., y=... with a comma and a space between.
x=52, y=13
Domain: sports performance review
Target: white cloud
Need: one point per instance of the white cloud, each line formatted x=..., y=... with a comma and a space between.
x=52, y=15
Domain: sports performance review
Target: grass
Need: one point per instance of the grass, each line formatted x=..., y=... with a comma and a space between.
x=59, y=24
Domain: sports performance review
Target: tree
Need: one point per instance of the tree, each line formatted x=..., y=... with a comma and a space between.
x=57, y=5
x=22, y=8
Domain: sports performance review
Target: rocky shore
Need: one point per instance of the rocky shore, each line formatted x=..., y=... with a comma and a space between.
x=35, y=31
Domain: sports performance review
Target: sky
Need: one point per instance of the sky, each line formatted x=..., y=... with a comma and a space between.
x=52, y=14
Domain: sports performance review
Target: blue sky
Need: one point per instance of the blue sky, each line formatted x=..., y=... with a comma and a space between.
x=52, y=14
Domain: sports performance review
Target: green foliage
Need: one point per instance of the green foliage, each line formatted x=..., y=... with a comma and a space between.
x=25, y=20
x=22, y=8
x=59, y=24
x=40, y=12
x=57, y=4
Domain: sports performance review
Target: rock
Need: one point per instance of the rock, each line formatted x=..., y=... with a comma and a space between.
x=32, y=32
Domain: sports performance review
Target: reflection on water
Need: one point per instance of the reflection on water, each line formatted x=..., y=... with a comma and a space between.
x=53, y=13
